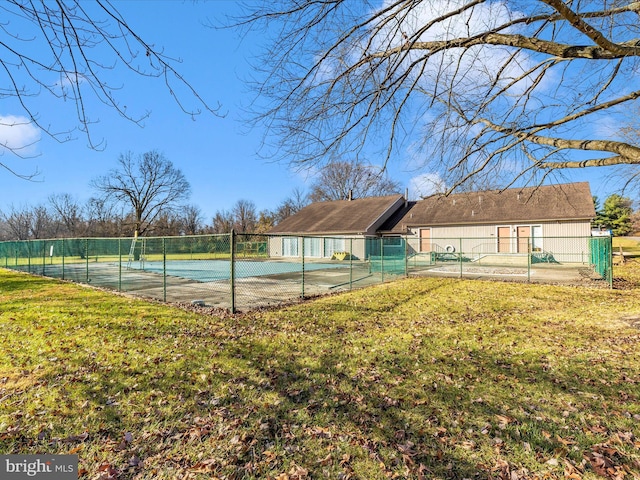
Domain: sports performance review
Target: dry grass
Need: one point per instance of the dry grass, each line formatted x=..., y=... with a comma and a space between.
x=421, y=378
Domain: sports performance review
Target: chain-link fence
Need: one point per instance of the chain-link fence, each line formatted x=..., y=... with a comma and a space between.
x=247, y=271
x=542, y=260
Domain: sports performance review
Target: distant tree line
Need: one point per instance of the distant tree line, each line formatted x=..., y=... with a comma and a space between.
x=63, y=216
x=146, y=195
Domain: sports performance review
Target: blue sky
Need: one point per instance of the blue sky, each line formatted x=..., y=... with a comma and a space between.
x=218, y=156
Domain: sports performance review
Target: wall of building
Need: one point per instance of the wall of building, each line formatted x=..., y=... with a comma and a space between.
x=565, y=242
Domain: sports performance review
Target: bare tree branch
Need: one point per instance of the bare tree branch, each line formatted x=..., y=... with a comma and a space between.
x=509, y=89
x=78, y=53
x=149, y=184
x=341, y=180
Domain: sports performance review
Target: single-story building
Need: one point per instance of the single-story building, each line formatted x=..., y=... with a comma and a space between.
x=508, y=223
x=328, y=227
x=515, y=221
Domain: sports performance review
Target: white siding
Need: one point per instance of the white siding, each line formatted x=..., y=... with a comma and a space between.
x=566, y=242
x=567, y=229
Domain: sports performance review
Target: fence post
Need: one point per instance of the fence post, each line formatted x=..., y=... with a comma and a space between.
x=302, y=293
x=406, y=256
x=460, y=256
x=119, y=264
x=164, y=269
x=350, y=263
x=63, y=252
x=609, y=241
x=29, y=255
x=529, y=259
x=232, y=277
x=381, y=259
x=44, y=257
x=86, y=256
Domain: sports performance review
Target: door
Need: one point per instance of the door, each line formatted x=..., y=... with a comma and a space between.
x=523, y=239
x=425, y=239
x=504, y=239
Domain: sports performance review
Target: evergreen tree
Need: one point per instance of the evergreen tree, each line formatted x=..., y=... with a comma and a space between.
x=615, y=214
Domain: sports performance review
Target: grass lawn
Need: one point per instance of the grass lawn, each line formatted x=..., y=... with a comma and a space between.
x=629, y=245
x=421, y=378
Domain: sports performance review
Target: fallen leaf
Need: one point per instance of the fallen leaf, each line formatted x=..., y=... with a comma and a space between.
x=204, y=466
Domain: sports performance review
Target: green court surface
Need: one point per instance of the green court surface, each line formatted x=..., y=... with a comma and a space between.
x=212, y=270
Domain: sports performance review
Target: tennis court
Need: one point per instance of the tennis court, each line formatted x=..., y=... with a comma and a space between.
x=251, y=271
x=214, y=270
x=256, y=283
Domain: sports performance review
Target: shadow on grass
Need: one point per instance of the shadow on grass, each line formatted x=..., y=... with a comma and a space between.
x=333, y=396
x=411, y=419
x=18, y=282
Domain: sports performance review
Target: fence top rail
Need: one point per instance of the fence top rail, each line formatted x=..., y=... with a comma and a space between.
x=205, y=235
x=278, y=235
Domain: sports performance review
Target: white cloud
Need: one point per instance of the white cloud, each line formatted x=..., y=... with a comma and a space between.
x=70, y=80
x=18, y=135
x=474, y=68
x=425, y=184
x=608, y=127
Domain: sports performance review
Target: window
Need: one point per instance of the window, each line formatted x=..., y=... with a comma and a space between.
x=332, y=245
x=312, y=247
x=536, y=238
x=393, y=241
x=290, y=247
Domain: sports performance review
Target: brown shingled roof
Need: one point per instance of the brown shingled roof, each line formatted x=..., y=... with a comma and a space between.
x=571, y=201
x=340, y=216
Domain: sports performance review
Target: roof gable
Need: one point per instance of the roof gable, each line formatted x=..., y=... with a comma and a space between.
x=362, y=215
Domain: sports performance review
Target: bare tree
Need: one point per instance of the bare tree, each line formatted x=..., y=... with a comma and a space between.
x=102, y=218
x=627, y=177
x=26, y=222
x=290, y=205
x=265, y=222
x=19, y=222
x=149, y=184
x=166, y=224
x=43, y=225
x=222, y=222
x=5, y=233
x=190, y=217
x=510, y=90
x=245, y=218
x=342, y=180
x=76, y=52
x=69, y=214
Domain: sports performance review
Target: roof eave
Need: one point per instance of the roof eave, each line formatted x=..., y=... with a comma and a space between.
x=496, y=222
